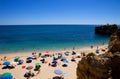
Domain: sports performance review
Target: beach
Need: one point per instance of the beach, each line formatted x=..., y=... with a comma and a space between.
x=46, y=71
x=59, y=39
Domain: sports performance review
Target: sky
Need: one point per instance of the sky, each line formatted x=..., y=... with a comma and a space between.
x=20, y=12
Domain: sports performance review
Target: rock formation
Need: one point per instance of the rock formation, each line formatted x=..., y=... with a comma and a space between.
x=114, y=44
x=106, y=29
x=104, y=66
x=94, y=67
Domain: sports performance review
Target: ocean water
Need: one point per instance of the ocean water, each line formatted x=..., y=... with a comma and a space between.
x=19, y=38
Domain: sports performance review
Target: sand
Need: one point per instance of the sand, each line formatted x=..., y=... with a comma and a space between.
x=46, y=72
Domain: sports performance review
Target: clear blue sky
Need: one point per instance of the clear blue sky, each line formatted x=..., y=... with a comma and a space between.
x=59, y=12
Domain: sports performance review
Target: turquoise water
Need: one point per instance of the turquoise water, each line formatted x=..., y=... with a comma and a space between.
x=14, y=38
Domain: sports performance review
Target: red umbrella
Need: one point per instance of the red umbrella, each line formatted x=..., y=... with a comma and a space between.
x=23, y=67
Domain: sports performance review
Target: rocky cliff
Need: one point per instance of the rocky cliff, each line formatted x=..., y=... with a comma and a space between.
x=104, y=66
x=114, y=44
x=106, y=29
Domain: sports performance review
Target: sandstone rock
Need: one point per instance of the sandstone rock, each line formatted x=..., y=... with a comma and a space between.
x=94, y=67
x=114, y=44
x=104, y=66
x=106, y=29
x=115, y=66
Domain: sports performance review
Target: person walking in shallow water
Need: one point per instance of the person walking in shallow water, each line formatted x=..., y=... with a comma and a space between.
x=73, y=48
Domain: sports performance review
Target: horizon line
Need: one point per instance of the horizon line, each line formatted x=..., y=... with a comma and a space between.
x=55, y=24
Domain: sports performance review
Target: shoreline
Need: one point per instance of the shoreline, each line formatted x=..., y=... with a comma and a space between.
x=70, y=70
x=76, y=49
x=53, y=49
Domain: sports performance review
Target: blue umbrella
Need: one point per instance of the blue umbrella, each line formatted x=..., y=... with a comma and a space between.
x=6, y=63
x=67, y=53
x=6, y=77
x=97, y=51
x=58, y=72
x=29, y=58
x=20, y=61
x=54, y=62
x=66, y=61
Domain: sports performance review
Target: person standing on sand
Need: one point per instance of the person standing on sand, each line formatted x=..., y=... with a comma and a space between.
x=49, y=64
x=39, y=54
x=91, y=47
x=5, y=58
x=97, y=47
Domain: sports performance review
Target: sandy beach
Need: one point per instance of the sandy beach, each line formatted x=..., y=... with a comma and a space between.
x=46, y=71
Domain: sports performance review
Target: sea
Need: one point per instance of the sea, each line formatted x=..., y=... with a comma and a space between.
x=24, y=38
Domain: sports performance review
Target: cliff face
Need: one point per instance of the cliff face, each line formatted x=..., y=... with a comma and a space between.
x=105, y=66
x=114, y=44
x=94, y=67
x=106, y=29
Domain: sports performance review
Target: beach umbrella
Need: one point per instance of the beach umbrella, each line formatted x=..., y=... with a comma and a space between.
x=17, y=57
x=6, y=74
x=20, y=61
x=13, y=63
x=29, y=57
x=29, y=67
x=67, y=52
x=23, y=67
x=66, y=61
x=58, y=72
x=97, y=51
x=37, y=63
x=54, y=61
x=28, y=60
x=6, y=63
x=6, y=77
